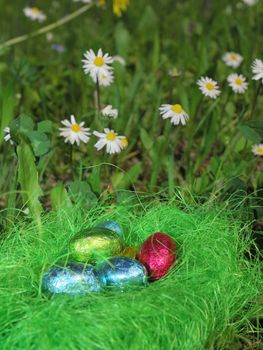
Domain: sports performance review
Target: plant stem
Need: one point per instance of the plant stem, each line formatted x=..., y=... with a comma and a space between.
x=255, y=100
x=45, y=29
x=98, y=105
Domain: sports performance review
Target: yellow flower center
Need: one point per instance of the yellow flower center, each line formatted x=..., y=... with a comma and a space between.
x=35, y=10
x=177, y=108
x=125, y=142
x=210, y=86
x=75, y=128
x=239, y=81
x=111, y=136
x=233, y=57
x=99, y=61
x=259, y=150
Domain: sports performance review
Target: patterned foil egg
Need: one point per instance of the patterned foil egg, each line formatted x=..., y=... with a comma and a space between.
x=122, y=273
x=72, y=279
x=113, y=226
x=95, y=244
x=157, y=254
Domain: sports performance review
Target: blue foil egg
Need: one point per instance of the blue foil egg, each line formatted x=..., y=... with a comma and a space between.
x=122, y=273
x=72, y=279
x=113, y=226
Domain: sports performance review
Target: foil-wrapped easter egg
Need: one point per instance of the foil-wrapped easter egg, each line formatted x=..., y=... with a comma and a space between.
x=113, y=226
x=122, y=273
x=130, y=252
x=157, y=254
x=72, y=279
x=95, y=244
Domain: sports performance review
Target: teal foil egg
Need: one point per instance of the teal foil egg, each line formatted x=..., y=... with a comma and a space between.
x=113, y=226
x=122, y=273
x=72, y=279
x=95, y=244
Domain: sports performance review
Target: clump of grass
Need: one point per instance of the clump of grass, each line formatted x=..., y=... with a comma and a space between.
x=211, y=292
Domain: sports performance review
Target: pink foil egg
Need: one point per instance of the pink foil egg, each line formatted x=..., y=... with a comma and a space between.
x=157, y=254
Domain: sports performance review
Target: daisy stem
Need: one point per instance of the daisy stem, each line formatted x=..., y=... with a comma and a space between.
x=98, y=105
x=46, y=29
x=255, y=101
x=225, y=104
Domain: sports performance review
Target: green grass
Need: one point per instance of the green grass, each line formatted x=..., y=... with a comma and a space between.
x=206, y=302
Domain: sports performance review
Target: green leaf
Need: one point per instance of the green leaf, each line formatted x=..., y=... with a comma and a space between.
x=124, y=180
x=40, y=142
x=146, y=139
x=122, y=39
x=80, y=192
x=148, y=24
x=8, y=103
x=25, y=123
x=59, y=197
x=45, y=126
x=94, y=179
x=28, y=180
x=249, y=133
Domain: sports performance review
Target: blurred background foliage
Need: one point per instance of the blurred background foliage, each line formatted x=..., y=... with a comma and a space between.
x=209, y=157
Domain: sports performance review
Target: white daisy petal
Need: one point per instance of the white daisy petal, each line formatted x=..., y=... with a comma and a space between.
x=258, y=149
x=208, y=87
x=250, y=2
x=7, y=136
x=110, y=139
x=98, y=67
x=257, y=69
x=175, y=112
x=238, y=83
x=35, y=14
x=74, y=132
x=232, y=59
x=110, y=112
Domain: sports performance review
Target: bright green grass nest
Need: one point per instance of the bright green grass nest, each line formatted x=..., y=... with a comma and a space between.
x=209, y=295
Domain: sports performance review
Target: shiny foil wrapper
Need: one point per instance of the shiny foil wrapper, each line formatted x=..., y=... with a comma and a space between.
x=95, y=244
x=122, y=273
x=113, y=226
x=157, y=254
x=73, y=279
x=130, y=252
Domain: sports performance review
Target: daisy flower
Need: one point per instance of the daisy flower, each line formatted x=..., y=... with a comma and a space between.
x=74, y=132
x=174, y=72
x=232, y=59
x=237, y=82
x=84, y=1
x=110, y=139
x=35, y=14
x=49, y=36
x=97, y=65
x=105, y=78
x=258, y=149
x=124, y=141
x=175, y=112
x=257, y=69
x=7, y=136
x=209, y=87
x=250, y=2
x=108, y=111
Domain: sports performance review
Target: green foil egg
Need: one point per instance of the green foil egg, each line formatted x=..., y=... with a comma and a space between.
x=95, y=244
